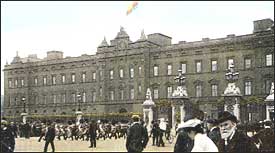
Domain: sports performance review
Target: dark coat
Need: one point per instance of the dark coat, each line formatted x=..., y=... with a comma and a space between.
x=266, y=139
x=7, y=140
x=214, y=135
x=92, y=130
x=183, y=143
x=137, y=138
x=239, y=143
x=50, y=134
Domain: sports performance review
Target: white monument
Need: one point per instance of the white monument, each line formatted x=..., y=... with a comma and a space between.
x=78, y=117
x=148, y=105
x=24, y=117
x=270, y=100
x=232, y=93
x=179, y=97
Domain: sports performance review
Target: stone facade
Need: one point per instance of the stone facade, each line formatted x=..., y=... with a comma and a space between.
x=103, y=87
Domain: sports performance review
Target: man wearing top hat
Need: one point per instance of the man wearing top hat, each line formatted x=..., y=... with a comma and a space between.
x=137, y=136
x=232, y=140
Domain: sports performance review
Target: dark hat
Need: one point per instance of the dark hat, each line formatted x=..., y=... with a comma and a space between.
x=224, y=116
x=212, y=121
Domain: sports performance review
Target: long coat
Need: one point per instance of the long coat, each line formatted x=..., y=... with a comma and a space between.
x=137, y=138
x=50, y=134
x=266, y=139
x=183, y=143
x=7, y=140
x=92, y=130
x=239, y=143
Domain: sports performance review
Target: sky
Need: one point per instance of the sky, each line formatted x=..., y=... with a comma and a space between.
x=78, y=27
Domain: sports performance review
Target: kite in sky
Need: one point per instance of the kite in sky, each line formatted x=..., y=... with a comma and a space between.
x=132, y=7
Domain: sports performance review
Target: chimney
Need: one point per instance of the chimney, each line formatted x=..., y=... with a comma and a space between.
x=262, y=25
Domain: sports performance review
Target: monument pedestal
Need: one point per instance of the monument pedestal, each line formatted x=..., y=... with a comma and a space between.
x=148, y=105
x=232, y=105
x=24, y=117
x=78, y=117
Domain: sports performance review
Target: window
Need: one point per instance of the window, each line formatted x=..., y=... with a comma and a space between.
x=73, y=97
x=54, y=99
x=94, y=96
x=247, y=85
x=121, y=94
x=198, y=66
x=45, y=80
x=63, y=78
x=156, y=93
x=183, y=68
x=63, y=98
x=54, y=80
x=111, y=74
x=44, y=99
x=73, y=78
x=22, y=82
x=15, y=83
x=214, y=90
x=10, y=83
x=169, y=91
x=198, y=90
x=169, y=69
x=84, y=97
x=131, y=72
x=214, y=65
x=35, y=99
x=112, y=95
x=100, y=91
x=247, y=63
x=139, y=89
x=267, y=86
x=132, y=93
x=156, y=70
x=35, y=81
x=84, y=77
x=230, y=62
x=121, y=73
x=94, y=76
x=101, y=75
x=139, y=70
x=268, y=59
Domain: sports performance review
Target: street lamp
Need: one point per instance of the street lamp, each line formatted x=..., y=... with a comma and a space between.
x=78, y=100
x=24, y=104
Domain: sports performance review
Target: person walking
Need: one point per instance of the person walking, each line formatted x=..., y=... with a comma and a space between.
x=161, y=129
x=7, y=138
x=92, y=132
x=137, y=136
x=49, y=137
x=232, y=140
x=154, y=133
x=202, y=143
x=213, y=131
x=265, y=138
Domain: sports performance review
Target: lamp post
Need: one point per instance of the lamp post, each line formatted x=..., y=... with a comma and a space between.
x=78, y=112
x=232, y=93
x=24, y=113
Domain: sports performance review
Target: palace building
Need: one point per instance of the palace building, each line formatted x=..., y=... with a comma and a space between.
x=116, y=78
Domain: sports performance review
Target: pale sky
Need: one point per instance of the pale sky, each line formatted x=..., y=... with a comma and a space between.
x=76, y=28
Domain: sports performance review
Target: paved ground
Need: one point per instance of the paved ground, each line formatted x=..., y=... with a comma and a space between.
x=108, y=145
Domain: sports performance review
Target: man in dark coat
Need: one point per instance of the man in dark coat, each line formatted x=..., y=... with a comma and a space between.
x=265, y=138
x=137, y=136
x=183, y=143
x=213, y=131
x=154, y=132
x=92, y=133
x=49, y=137
x=7, y=138
x=232, y=140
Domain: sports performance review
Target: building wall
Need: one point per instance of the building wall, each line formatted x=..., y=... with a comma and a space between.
x=144, y=54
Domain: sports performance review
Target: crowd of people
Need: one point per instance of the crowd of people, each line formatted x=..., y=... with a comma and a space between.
x=195, y=134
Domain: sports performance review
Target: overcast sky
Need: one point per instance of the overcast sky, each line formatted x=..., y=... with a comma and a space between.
x=79, y=27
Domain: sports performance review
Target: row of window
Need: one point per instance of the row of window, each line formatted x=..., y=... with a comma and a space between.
x=82, y=97
x=214, y=65
x=198, y=69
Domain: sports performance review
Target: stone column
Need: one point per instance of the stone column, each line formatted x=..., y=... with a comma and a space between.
x=173, y=117
x=237, y=108
x=24, y=117
x=267, y=113
x=182, y=113
x=78, y=117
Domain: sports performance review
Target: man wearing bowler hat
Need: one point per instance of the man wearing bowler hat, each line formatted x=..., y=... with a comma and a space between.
x=232, y=140
x=137, y=136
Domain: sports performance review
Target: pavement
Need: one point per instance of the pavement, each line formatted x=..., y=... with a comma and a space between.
x=108, y=145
